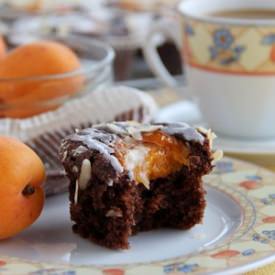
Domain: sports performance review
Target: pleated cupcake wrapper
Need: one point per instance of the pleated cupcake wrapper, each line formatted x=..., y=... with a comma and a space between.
x=45, y=132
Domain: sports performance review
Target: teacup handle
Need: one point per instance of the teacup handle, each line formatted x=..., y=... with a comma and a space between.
x=157, y=34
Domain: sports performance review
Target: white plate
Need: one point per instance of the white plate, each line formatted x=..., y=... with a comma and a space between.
x=232, y=238
x=188, y=112
x=51, y=238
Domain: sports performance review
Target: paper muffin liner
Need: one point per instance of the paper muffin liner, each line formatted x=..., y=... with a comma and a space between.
x=44, y=132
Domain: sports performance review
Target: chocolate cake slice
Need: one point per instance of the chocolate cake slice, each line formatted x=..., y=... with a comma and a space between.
x=127, y=177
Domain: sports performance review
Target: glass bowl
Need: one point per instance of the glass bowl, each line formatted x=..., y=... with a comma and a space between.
x=29, y=96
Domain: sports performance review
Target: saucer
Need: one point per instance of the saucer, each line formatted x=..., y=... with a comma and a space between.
x=188, y=111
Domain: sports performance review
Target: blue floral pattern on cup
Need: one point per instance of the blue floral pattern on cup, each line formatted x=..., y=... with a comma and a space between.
x=223, y=39
x=224, y=51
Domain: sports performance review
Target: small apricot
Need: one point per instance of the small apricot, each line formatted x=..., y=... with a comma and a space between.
x=28, y=78
x=21, y=193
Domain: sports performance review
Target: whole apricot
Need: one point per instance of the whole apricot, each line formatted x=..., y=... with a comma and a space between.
x=28, y=76
x=21, y=194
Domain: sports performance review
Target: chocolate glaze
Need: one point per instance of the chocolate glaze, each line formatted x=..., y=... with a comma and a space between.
x=101, y=138
x=179, y=129
x=183, y=131
x=97, y=140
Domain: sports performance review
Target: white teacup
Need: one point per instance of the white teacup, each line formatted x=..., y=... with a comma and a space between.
x=229, y=64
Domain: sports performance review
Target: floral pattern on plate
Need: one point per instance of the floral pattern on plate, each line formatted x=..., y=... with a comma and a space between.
x=224, y=51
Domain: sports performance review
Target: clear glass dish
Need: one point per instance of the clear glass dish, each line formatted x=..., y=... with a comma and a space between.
x=28, y=96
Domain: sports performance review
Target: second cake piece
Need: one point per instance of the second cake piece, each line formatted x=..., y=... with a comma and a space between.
x=127, y=177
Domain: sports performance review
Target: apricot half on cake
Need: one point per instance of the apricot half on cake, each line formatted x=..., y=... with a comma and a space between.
x=32, y=75
x=21, y=194
x=127, y=177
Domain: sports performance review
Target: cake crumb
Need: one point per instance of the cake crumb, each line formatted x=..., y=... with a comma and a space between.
x=114, y=213
x=75, y=169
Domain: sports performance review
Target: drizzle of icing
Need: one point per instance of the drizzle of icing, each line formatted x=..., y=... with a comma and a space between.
x=114, y=213
x=184, y=130
x=135, y=129
x=128, y=128
x=79, y=150
x=112, y=128
x=85, y=174
x=100, y=142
